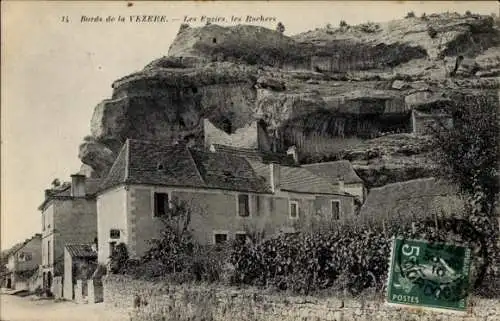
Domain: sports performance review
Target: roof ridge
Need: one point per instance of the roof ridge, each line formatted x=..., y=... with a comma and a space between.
x=127, y=158
x=198, y=173
x=122, y=149
x=405, y=182
x=329, y=162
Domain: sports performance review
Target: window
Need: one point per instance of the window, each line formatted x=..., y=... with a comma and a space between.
x=43, y=222
x=114, y=234
x=48, y=253
x=23, y=256
x=243, y=205
x=161, y=204
x=336, y=210
x=220, y=238
x=240, y=237
x=294, y=209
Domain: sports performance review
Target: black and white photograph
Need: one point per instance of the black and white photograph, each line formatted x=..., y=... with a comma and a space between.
x=250, y=160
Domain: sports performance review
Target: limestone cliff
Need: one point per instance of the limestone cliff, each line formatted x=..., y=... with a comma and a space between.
x=326, y=91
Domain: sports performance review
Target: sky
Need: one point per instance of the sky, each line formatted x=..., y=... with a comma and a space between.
x=54, y=73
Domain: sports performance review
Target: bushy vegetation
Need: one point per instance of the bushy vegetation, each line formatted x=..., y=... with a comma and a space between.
x=432, y=32
x=280, y=27
x=350, y=259
x=410, y=14
x=343, y=24
x=369, y=27
x=468, y=154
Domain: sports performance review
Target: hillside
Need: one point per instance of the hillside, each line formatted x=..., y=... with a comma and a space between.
x=332, y=92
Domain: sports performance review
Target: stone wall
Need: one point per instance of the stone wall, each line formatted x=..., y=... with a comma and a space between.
x=95, y=291
x=147, y=301
x=57, y=287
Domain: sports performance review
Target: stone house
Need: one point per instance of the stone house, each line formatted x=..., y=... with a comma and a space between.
x=22, y=262
x=69, y=215
x=229, y=196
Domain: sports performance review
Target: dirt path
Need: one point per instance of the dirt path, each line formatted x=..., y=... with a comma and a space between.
x=14, y=308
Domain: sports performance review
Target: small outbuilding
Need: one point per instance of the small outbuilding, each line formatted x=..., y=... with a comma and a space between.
x=80, y=262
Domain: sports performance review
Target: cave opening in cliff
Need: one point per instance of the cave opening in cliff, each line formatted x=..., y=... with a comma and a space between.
x=395, y=123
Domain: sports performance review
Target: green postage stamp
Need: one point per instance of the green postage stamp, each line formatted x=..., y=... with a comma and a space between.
x=428, y=275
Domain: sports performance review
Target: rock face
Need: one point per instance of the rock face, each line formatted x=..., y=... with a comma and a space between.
x=326, y=91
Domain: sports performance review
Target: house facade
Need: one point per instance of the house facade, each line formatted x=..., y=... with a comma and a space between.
x=229, y=196
x=69, y=215
x=22, y=262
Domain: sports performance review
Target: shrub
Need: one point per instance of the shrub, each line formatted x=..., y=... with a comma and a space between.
x=183, y=27
x=432, y=32
x=369, y=27
x=410, y=14
x=280, y=27
x=353, y=258
x=118, y=259
x=468, y=13
x=343, y=24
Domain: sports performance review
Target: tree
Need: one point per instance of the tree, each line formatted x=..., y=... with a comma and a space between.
x=175, y=242
x=280, y=27
x=468, y=154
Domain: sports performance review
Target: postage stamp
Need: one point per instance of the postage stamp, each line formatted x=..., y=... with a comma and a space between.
x=428, y=275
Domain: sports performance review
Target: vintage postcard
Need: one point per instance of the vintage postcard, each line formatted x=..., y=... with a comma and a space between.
x=250, y=160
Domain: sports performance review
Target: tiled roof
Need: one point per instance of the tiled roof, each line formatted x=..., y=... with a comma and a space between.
x=91, y=187
x=64, y=191
x=226, y=171
x=81, y=250
x=155, y=163
x=409, y=198
x=297, y=179
x=332, y=171
x=17, y=247
x=253, y=154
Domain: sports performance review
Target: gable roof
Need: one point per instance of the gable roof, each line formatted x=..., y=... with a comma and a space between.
x=81, y=250
x=226, y=171
x=156, y=163
x=297, y=179
x=19, y=246
x=333, y=170
x=410, y=198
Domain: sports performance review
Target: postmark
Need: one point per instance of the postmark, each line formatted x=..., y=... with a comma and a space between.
x=427, y=275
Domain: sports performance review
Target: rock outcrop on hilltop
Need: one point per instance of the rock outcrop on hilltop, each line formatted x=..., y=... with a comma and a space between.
x=328, y=91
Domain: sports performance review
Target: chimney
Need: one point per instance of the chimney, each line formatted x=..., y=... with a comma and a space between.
x=78, y=185
x=341, y=183
x=274, y=169
x=293, y=152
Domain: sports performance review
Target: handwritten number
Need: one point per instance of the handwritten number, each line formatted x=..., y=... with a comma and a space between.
x=65, y=19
